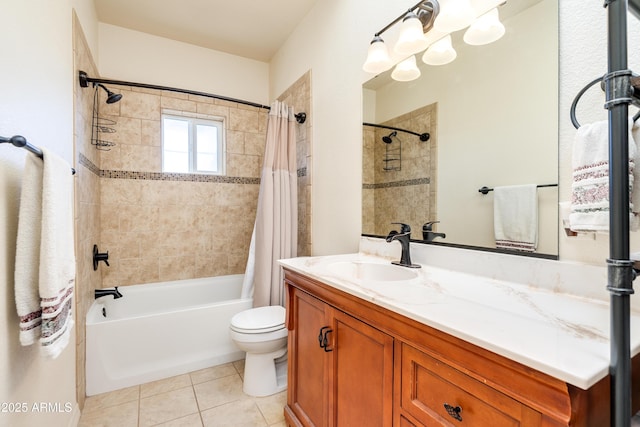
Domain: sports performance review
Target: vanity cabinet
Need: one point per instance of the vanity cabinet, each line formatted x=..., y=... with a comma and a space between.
x=340, y=368
x=379, y=368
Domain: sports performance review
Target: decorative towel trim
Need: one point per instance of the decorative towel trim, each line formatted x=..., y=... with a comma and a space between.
x=515, y=246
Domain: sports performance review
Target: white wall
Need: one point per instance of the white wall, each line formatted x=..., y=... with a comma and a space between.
x=36, y=102
x=143, y=58
x=332, y=42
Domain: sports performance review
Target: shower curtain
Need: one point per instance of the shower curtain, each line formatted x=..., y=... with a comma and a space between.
x=275, y=233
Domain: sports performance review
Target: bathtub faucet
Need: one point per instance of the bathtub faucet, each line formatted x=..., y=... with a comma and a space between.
x=104, y=292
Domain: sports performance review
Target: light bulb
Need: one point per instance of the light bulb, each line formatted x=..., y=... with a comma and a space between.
x=411, y=39
x=406, y=70
x=440, y=53
x=454, y=15
x=378, y=59
x=486, y=29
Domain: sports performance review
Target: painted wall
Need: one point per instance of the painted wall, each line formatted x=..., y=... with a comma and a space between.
x=36, y=101
x=138, y=57
x=333, y=46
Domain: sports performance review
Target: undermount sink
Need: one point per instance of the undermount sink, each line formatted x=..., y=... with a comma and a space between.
x=371, y=271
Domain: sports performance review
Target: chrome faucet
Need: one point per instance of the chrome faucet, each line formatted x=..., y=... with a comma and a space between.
x=104, y=292
x=404, y=237
x=428, y=234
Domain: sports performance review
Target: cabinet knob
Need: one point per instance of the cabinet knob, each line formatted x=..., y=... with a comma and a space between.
x=453, y=411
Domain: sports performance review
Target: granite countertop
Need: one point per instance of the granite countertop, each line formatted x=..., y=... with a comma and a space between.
x=565, y=336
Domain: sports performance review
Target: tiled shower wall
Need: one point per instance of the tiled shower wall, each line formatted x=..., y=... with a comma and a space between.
x=87, y=202
x=298, y=95
x=166, y=226
x=406, y=195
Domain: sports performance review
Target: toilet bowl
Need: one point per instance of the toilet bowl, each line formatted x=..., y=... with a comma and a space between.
x=261, y=333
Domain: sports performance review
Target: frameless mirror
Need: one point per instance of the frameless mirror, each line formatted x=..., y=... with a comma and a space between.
x=492, y=116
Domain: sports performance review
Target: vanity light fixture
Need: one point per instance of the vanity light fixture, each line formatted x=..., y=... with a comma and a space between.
x=428, y=25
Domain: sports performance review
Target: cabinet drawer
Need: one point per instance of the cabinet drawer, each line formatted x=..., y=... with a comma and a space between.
x=438, y=395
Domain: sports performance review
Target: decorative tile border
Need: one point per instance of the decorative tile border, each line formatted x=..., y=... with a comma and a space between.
x=165, y=176
x=405, y=183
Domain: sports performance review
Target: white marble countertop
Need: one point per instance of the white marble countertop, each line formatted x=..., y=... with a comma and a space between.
x=562, y=335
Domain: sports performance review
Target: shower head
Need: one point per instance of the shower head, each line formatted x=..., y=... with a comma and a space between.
x=387, y=139
x=85, y=80
x=111, y=97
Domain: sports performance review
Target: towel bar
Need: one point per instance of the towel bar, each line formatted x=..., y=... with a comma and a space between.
x=485, y=190
x=21, y=142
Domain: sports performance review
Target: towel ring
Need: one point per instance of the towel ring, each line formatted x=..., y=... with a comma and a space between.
x=574, y=104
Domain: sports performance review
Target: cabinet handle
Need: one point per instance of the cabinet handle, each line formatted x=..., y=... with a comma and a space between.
x=322, y=338
x=453, y=411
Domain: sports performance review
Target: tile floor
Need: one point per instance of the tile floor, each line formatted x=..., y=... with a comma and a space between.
x=206, y=398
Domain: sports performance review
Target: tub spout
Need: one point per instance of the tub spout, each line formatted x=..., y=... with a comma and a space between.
x=104, y=292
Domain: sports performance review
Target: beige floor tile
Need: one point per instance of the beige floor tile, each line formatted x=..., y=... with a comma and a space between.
x=123, y=415
x=167, y=406
x=243, y=413
x=192, y=420
x=239, y=365
x=111, y=398
x=272, y=407
x=165, y=385
x=213, y=373
x=218, y=392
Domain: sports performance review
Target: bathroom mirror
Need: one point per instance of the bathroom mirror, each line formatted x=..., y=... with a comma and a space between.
x=492, y=115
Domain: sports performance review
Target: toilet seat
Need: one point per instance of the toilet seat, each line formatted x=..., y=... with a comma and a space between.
x=259, y=320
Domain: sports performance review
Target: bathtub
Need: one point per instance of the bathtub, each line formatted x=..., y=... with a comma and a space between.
x=160, y=330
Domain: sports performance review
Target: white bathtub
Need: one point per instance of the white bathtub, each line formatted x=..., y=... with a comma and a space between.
x=161, y=329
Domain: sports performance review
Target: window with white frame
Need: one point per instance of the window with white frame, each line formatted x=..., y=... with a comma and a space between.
x=192, y=145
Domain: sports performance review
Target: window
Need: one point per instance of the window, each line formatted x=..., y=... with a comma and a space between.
x=192, y=145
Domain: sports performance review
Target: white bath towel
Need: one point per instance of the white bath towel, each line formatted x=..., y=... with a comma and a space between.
x=45, y=259
x=590, y=185
x=515, y=217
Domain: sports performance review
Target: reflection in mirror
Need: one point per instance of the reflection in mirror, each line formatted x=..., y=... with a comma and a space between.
x=492, y=116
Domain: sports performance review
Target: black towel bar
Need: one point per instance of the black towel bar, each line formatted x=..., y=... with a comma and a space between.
x=21, y=142
x=485, y=190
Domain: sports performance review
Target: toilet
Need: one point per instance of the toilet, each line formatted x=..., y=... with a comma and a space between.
x=261, y=333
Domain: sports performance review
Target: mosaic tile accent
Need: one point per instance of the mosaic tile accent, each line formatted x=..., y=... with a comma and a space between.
x=405, y=183
x=185, y=177
x=84, y=161
x=302, y=172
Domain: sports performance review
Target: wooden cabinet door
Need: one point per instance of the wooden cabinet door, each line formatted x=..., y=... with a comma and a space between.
x=308, y=362
x=362, y=373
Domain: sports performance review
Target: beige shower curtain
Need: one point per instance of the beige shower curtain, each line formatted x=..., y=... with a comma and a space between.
x=275, y=233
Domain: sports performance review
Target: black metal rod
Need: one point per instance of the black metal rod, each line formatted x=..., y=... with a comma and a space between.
x=21, y=142
x=85, y=80
x=620, y=281
x=395, y=21
x=423, y=136
x=485, y=190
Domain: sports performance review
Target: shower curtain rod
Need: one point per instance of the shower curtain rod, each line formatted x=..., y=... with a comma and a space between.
x=423, y=136
x=85, y=80
x=21, y=142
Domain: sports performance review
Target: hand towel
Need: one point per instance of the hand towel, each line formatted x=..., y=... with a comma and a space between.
x=45, y=260
x=515, y=217
x=590, y=185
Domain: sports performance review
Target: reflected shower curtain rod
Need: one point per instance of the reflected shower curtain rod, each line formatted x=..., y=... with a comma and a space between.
x=423, y=136
x=85, y=80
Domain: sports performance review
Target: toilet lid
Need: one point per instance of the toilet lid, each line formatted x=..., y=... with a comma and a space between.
x=261, y=319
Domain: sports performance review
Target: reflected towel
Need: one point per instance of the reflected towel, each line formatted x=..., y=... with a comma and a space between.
x=515, y=217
